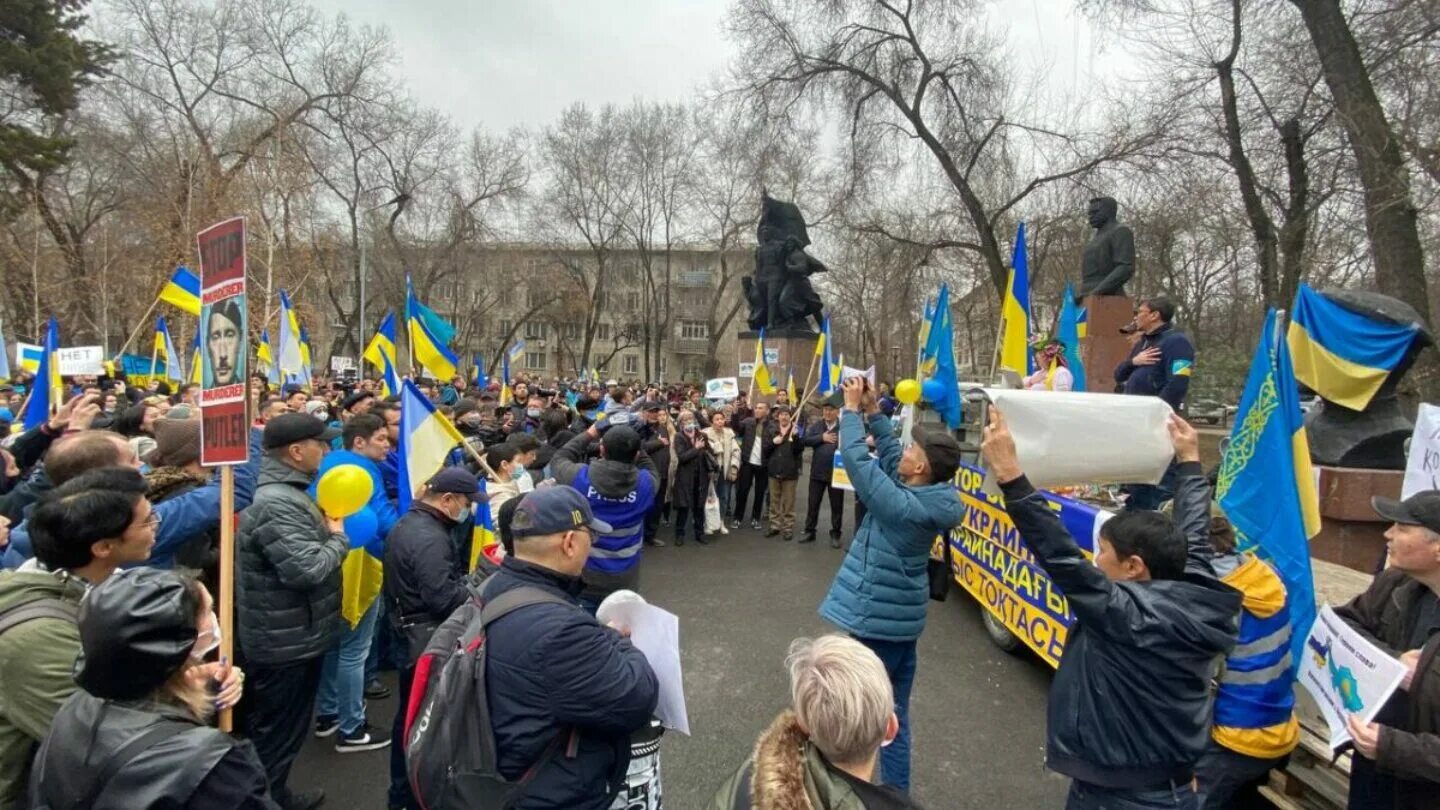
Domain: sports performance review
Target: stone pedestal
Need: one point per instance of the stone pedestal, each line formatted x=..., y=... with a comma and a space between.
x=1103, y=347
x=790, y=349
x=1351, y=534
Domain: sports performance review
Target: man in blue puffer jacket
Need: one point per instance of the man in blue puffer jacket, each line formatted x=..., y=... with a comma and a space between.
x=881, y=593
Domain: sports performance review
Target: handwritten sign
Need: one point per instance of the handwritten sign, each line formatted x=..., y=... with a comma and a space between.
x=1346, y=674
x=1422, y=469
x=78, y=360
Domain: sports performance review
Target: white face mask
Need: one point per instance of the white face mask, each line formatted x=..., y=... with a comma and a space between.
x=208, y=642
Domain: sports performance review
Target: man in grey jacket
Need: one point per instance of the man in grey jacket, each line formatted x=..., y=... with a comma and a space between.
x=288, y=597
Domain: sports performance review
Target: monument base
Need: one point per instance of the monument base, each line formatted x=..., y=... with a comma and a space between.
x=1103, y=347
x=1351, y=534
x=793, y=348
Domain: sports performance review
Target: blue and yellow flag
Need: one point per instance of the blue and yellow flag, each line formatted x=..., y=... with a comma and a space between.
x=826, y=348
x=45, y=398
x=306, y=356
x=389, y=378
x=1015, y=312
x=790, y=389
x=481, y=380
x=195, y=367
x=182, y=291
x=484, y=539
x=426, y=439
x=429, y=347
x=505, y=393
x=1341, y=355
x=1069, y=332
x=762, y=372
x=1266, y=485
x=265, y=359
x=291, y=358
x=383, y=344
x=165, y=350
x=938, y=360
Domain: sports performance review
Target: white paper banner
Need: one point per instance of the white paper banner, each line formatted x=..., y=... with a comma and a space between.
x=1346, y=674
x=1422, y=468
x=722, y=388
x=81, y=360
x=1069, y=438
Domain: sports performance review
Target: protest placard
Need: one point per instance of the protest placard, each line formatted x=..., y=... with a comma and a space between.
x=340, y=364
x=722, y=388
x=224, y=427
x=747, y=370
x=81, y=360
x=1422, y=468
x=1346, y=674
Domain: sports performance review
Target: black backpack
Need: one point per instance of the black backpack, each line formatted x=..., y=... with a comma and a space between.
x=450, y=753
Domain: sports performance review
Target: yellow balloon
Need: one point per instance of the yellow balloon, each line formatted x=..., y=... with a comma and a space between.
x=907, y=391
x=344, y=490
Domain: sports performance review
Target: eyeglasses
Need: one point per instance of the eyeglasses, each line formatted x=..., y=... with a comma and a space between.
x=153, y=520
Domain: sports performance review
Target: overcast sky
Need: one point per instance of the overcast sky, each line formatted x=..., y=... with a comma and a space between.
x=505, y=63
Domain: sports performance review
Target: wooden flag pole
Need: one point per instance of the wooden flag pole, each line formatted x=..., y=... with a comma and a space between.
x=227, y=580
x=144, y=319
x=805, y=391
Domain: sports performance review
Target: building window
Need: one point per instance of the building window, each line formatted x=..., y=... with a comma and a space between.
x=535, y=360
x=602, y=331
x=507, y=297
x=630, y=364
x=632, y=301
x=534, y=330
x=505, y=327
x=695, y=330
x=601, y=362
x=570, y=331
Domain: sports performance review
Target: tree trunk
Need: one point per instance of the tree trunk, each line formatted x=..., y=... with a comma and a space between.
x=1390, y=214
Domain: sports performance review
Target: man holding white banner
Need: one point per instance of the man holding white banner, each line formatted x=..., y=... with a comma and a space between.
x=1397, y=757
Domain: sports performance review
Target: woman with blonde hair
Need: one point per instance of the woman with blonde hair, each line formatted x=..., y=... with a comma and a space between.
x=135, y=735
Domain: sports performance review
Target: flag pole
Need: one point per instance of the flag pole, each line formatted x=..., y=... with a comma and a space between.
x=227, y=580
x=144, y=319
x=154, y=354
x=809, y=378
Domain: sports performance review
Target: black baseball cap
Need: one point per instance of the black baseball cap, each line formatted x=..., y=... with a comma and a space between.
x=289, y=428
x=652, y=405
x=459, y=481
x=941, y=450
x=554, y=509
x=359, y=396
x=1420, y=509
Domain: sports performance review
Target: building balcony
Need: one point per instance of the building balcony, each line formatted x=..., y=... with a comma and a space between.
x=691, y=346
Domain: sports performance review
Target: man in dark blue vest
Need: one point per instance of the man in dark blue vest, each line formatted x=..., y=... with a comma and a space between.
x=620, y=485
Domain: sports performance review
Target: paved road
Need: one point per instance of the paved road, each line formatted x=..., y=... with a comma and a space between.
x=978, y=715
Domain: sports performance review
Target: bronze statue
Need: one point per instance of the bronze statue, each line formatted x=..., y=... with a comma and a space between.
x=1375, y=437
x=1109, y=258
x=779, y=293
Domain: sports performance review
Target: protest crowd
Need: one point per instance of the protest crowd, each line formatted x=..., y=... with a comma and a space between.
x=496, y=525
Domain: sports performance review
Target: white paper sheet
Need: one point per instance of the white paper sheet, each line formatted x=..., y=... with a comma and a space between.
x=656, y=633
x=1346, y=674
x=1068, y=438
x=1422, y=467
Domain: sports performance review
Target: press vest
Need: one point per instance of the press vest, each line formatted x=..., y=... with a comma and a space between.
x=1255, y=707
x=617, y=550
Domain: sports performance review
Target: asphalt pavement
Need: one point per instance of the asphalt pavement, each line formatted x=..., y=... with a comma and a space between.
x=977, y=714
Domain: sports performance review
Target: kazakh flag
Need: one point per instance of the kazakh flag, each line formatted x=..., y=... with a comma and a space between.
x=1266, y=485
x=182, y=291
x=45, y=398
x=383, y=344
x=1341, y=355
x=824, y=347
x=483, y=538
x=1069, y=332
x=1015, y=312
x=427, y=344
x=938, y=360
x=762, y=372
x=426, y=439
x=165, y=349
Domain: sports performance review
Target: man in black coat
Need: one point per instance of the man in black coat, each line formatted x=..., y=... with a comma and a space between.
x=424, y=584
x=1130, y=707
x=753, y=471
x=823, y=436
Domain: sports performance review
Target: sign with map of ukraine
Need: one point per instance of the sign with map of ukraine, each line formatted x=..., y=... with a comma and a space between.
x=1346, y=674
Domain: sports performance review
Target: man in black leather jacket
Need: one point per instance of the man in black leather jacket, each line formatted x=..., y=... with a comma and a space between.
x=1130, y=707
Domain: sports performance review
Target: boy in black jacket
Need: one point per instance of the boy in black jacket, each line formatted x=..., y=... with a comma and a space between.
x=1130, y=706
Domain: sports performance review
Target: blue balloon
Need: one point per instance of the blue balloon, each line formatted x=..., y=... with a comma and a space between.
x=932, y=390
x=362, y=527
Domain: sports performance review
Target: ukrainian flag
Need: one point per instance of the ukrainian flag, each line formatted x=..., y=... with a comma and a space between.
x=790, y=389
x=1341, y=355
x=45, y=398
x=195, y=366
x=28, y=356
x=824, y=347
x=182, y=291
x=1070, y=331
x=383, y=344
x=762, y=372
x=165, y=349
x=836, y=371
x=939, y=359
x=481, y=381
x=291, y=359
x=428, y=345
x=426, y=439
x=1015, y=312
x=305, y=362
x=362, y=572
x=265, y=359
x=1266, y=485
x=505, y=393
x=389, y=380
x=484, y=539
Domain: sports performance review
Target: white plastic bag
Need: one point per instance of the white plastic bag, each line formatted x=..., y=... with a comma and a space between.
x=713, y=520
